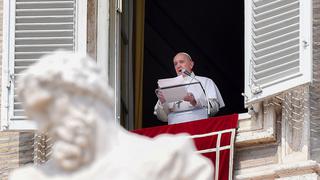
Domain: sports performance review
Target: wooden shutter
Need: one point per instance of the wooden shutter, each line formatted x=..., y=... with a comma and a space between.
x=39, y=27
x=277, y=46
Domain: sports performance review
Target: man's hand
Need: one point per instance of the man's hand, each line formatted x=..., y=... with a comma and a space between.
x=190, y=98
x=160, y=96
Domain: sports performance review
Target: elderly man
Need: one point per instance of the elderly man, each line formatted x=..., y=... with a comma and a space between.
x=68, y=96
x=198, y=104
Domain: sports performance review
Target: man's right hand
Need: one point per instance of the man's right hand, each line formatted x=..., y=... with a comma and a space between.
x=160, y=96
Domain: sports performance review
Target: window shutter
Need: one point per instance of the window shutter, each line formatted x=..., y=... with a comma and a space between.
x=277, y=46
x=39, y=27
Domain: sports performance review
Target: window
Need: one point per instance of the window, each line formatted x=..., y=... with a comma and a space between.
x=212, y=35
x=277, y=53
x=277, y=58
x=277, y=46
x=32, y=29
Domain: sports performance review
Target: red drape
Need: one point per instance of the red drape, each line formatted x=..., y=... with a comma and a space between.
x=209, y=125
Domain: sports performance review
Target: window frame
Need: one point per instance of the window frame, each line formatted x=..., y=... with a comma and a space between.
x=260, y=127
x=305, y=56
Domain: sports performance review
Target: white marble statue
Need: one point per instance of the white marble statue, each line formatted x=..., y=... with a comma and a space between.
x=67, y=96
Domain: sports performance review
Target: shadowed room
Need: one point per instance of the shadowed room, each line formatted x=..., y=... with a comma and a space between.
x=212, y=32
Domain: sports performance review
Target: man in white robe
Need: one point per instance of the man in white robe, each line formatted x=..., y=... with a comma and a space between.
x=198, y=104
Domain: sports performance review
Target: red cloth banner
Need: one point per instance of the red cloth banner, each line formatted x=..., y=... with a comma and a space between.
x=222, y=128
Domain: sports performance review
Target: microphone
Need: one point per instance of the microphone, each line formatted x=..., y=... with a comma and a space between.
x=186, y=72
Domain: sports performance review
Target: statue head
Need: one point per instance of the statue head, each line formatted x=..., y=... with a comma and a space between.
x=68, y=96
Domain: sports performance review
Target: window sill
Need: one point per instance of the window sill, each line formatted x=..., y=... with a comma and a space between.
x=259, y=128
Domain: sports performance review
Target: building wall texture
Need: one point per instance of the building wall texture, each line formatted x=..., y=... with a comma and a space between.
x=1, y=37
x=315, y=87
x=16, y=149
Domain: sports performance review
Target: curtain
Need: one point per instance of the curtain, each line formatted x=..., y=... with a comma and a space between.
x=138, y=61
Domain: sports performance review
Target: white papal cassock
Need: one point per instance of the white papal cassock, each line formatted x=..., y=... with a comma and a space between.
x=208, y=103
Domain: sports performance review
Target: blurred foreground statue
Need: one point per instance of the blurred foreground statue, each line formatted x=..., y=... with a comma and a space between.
x=68, y=97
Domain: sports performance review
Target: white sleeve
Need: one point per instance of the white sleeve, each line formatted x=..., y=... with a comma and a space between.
x=213, y=107
x=161, y=111
x=213, y=92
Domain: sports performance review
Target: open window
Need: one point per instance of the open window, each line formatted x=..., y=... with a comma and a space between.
x=274, y=36
x=277, y=58
x=211, y=35
x=32, y=29
x=277, y=46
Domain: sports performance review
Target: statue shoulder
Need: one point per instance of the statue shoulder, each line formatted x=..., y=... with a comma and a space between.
x=27, y=172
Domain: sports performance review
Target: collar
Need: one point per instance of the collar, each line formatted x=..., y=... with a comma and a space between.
x=189, y=78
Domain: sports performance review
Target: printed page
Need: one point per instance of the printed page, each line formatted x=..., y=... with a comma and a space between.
x=173, y=89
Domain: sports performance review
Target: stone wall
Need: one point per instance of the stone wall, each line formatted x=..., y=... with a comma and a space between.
x=315, y=87
x=16, y=149
x=92, y=28
x=1, y=37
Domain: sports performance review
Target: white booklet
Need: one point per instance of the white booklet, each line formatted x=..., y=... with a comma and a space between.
x=173, y=89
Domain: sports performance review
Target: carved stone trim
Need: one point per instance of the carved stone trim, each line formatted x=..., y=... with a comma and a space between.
x=42, y=148
x=295, y=125
x=299, y=169
x=259, y=128
x=92, y=28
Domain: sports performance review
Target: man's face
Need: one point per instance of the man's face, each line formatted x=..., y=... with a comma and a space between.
x=181, y=61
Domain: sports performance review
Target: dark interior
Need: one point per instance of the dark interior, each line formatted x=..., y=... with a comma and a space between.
x=212, y=32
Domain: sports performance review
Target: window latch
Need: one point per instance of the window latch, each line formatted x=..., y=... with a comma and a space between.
x=305, y=44
x=254, y=109
x=245, y=97
x=119, y=6
x=11, y=81
x=256, y=90
x=5, y=127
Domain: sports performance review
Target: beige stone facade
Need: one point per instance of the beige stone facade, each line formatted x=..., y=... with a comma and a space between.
x=16, y=149
x=315, y=87
x=1, y=37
